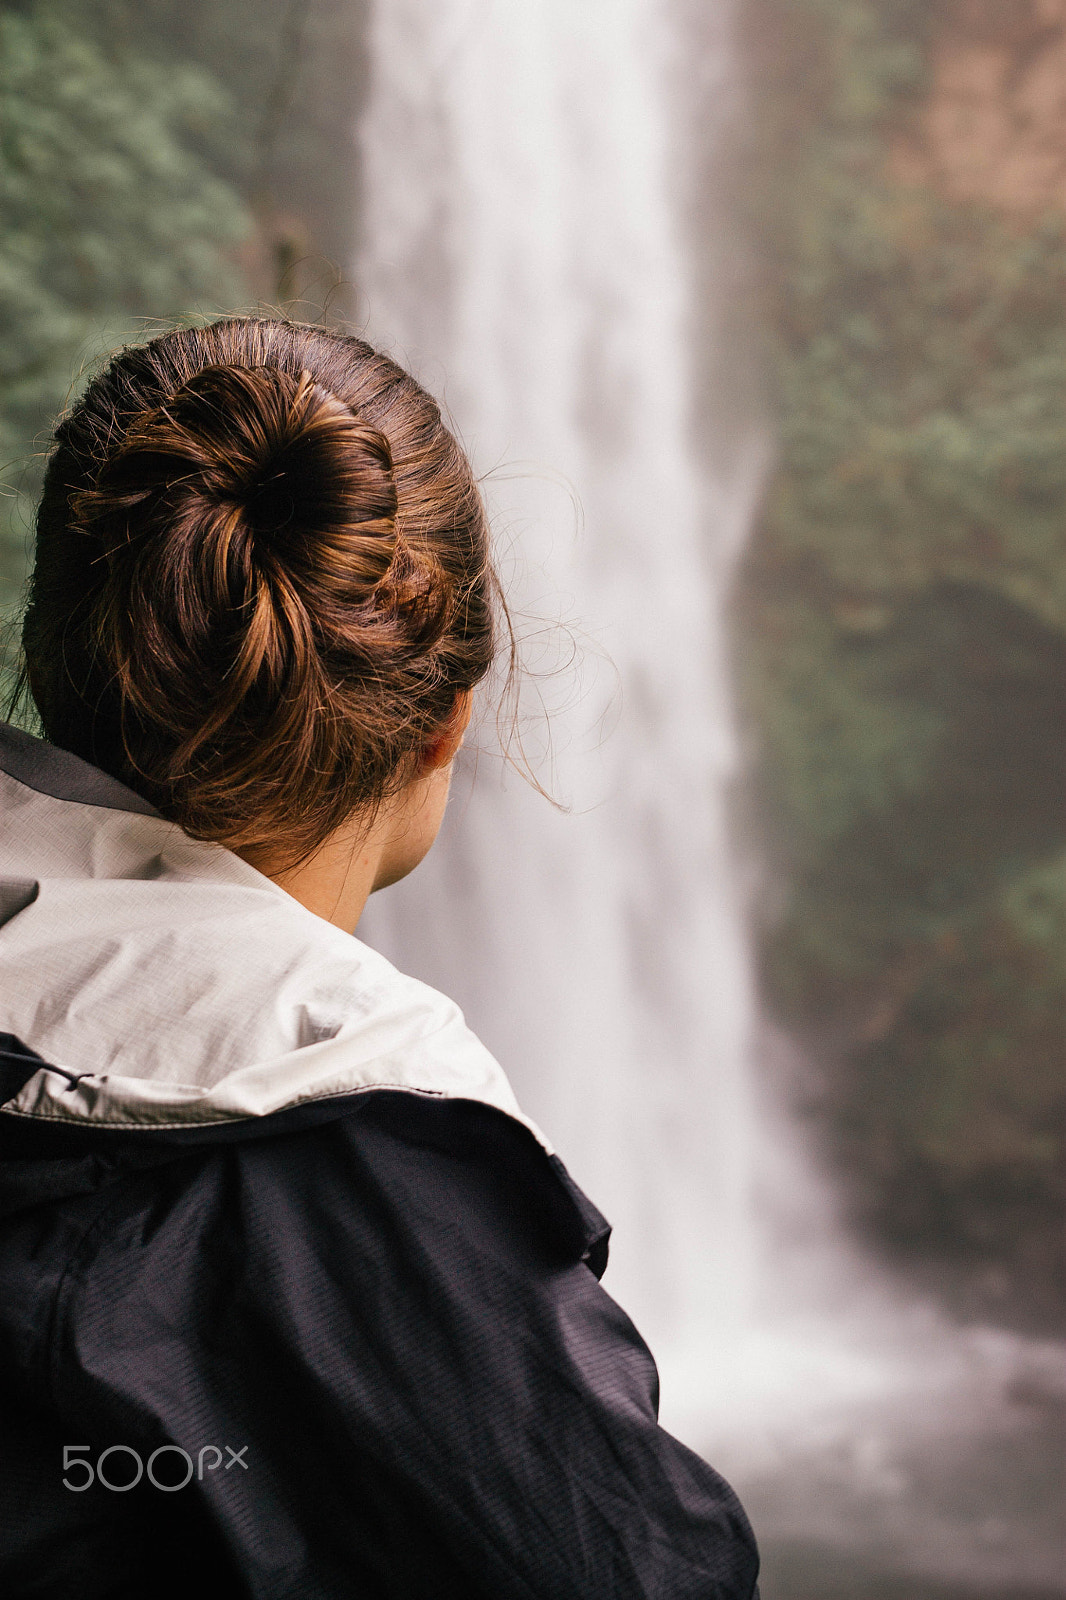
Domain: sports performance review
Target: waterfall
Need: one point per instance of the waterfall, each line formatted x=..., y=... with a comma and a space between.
x=521, y=253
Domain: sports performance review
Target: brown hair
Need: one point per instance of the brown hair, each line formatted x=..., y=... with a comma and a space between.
x=262, y=577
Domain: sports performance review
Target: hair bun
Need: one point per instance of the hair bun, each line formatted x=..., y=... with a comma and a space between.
x=245, y=461
x=248, y=521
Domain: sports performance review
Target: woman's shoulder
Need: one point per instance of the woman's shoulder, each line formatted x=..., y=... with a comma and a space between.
x=390, y=1314
x=172, y=984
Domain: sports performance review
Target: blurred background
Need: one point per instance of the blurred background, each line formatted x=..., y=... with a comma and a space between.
x=751, y=315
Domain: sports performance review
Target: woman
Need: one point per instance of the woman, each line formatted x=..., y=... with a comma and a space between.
x=293, y=1299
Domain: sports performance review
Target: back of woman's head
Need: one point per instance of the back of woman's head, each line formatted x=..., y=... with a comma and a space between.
x=262, y=578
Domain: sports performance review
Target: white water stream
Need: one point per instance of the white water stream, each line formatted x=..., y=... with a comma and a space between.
x=521, y=252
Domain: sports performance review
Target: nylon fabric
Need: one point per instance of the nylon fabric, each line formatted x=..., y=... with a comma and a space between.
x=395, y=1314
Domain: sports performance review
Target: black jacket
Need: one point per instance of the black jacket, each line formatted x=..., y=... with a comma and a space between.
x=324, y=1323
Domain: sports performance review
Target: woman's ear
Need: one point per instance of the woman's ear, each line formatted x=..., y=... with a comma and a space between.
x=443, y=748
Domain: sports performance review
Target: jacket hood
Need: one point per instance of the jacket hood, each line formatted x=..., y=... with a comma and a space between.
x=169, y=985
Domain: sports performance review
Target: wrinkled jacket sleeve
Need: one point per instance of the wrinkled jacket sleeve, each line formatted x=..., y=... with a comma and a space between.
x=392, y=1314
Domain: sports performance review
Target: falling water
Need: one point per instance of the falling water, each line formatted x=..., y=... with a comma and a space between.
x=521, y=251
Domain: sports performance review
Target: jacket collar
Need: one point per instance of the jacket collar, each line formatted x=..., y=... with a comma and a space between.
x=168, y=984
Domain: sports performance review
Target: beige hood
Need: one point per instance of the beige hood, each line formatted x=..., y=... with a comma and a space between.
x=172, y=985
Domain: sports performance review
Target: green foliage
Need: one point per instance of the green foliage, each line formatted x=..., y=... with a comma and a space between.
x=957, y=1125
x=113, y=215
x=904, y=628
x=292, y=71
x=923, y=399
